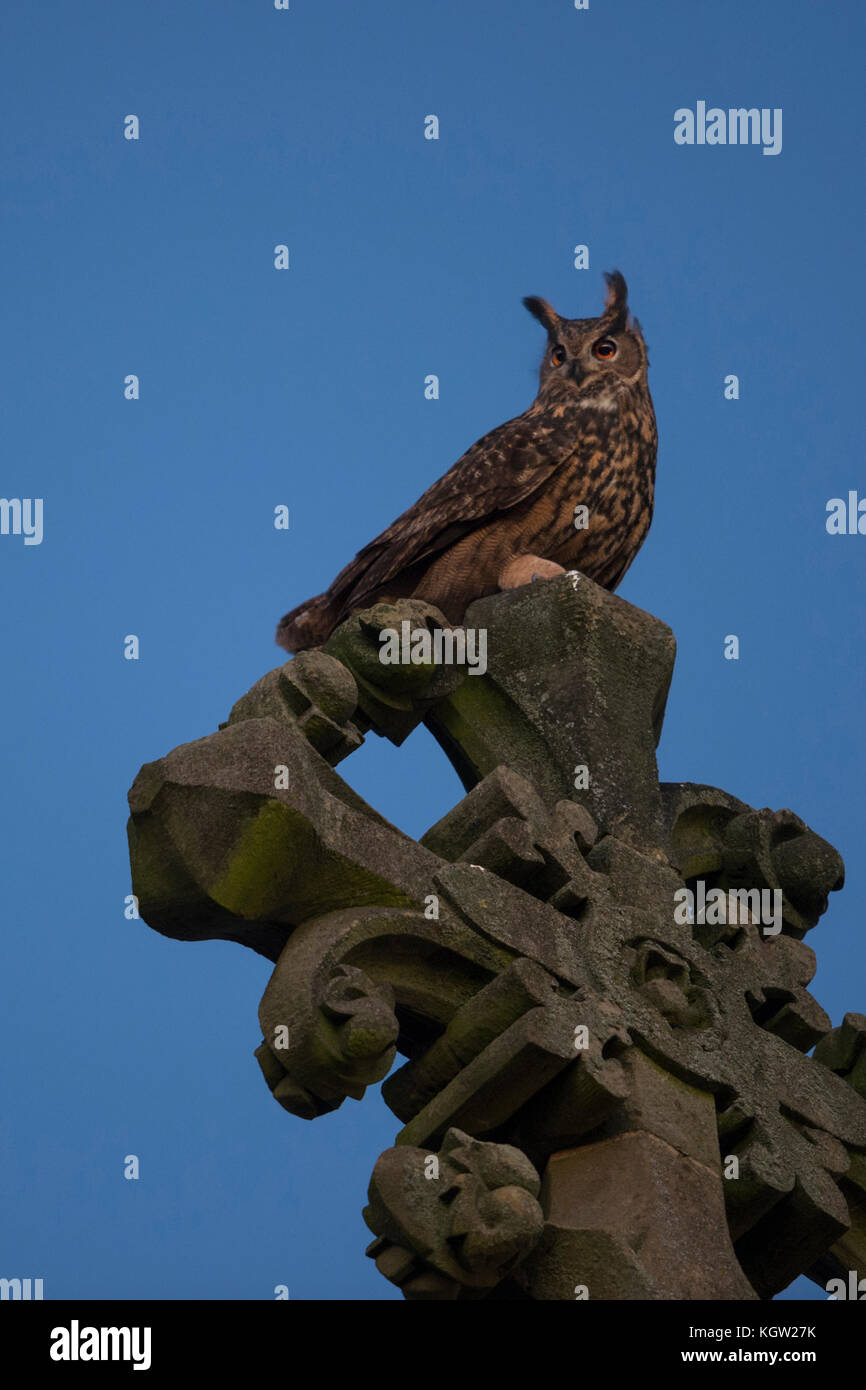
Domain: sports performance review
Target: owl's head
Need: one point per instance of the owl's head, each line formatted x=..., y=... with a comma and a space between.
x=591, y=355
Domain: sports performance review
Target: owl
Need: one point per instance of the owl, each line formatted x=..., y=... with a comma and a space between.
x=569, y=484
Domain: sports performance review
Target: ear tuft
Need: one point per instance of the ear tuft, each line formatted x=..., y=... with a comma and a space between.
x=616, y=300
x=546, y=315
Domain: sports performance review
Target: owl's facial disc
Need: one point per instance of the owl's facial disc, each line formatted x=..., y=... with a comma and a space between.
x=595, y=354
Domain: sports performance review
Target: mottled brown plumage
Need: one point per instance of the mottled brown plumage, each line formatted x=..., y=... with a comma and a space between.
x=505, y=511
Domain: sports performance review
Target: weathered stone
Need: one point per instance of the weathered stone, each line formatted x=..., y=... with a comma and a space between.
x=315, y=692
x=468, y=1214
x=715, y=837
x=392, y=698
x=641, y=1196
x=524, y=985
x=543, y=713
x=530, y=961
x=218, y=851
x=330, y=1045
x=502, y=795
x=844, y=1051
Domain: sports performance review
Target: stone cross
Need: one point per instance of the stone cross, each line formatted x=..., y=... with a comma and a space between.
x=597, y=982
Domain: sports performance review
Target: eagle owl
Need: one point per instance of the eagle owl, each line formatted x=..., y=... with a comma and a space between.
x=566, y=485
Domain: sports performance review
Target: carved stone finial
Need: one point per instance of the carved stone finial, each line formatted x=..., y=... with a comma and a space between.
x=596, y=981
x=458, y=1220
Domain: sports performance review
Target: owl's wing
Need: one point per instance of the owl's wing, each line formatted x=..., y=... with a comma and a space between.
x=500, y=470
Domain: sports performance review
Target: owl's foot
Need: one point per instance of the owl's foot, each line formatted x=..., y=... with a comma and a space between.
x=524, y=568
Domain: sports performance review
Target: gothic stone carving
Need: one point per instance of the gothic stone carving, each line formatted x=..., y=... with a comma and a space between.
x=562, y=1020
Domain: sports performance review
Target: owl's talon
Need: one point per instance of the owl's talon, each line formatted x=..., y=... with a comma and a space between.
x=525, y=569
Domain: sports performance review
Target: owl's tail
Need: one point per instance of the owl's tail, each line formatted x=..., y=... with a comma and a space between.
x=308, y=625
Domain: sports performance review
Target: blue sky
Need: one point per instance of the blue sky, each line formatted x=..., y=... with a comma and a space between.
x=305, y=387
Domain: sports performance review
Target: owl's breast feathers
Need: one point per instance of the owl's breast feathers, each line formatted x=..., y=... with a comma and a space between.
x=610, y=473
x=514, y=492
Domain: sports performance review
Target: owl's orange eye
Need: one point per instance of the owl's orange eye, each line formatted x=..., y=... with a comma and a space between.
x=605, y=349
x=557, y=357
